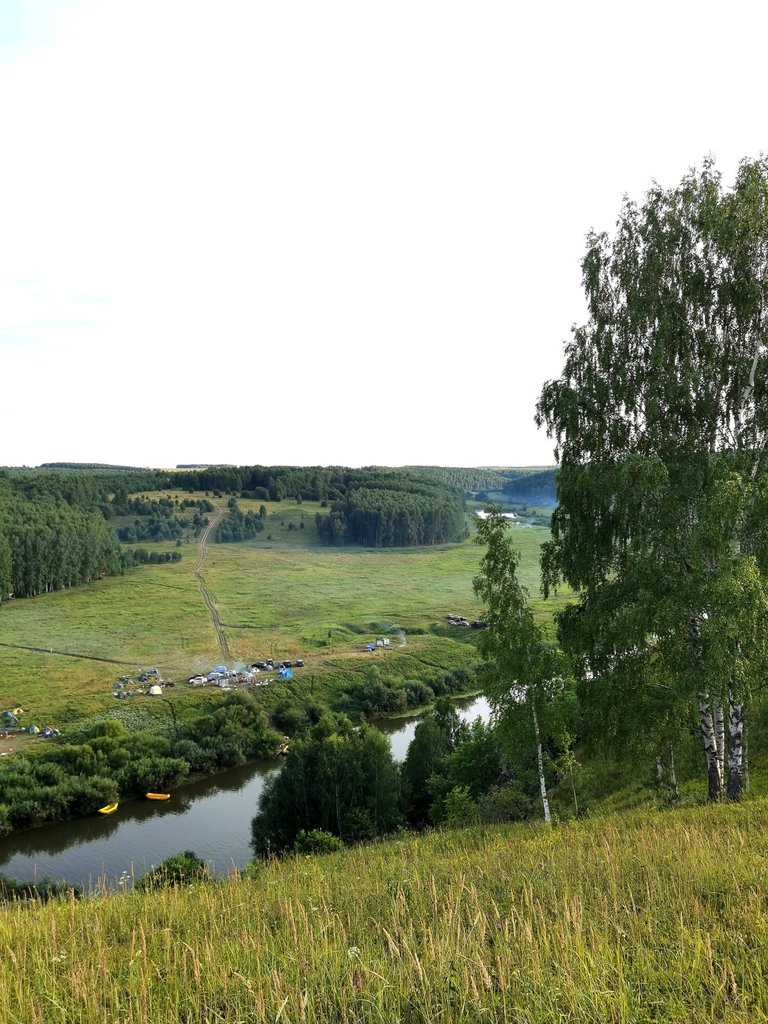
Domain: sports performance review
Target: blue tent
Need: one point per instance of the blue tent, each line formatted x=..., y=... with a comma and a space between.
x=221, y=668
x=286, y=673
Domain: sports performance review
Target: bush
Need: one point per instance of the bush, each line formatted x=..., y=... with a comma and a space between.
x=43, y=890
x=316, y=841
x=508, y=803
x=180, y=869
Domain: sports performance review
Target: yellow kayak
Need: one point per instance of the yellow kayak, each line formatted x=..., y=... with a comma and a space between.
x=158, y=796
x=108, y=809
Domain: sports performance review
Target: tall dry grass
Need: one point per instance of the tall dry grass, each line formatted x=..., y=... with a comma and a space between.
x=645, y=918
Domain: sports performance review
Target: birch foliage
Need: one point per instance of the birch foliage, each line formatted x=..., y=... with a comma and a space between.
x=660, y=421
x=529, y=668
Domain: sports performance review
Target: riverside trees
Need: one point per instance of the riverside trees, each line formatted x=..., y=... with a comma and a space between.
x=529, y=679
x=660, y=420
x=337, y=779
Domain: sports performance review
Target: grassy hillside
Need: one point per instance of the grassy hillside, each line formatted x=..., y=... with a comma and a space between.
x=282, y=595
x=645, y=917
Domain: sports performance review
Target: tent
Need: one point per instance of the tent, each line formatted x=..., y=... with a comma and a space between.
x=155, y=691
x=220, y=668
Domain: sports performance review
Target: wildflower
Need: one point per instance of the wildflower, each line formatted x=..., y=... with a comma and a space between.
x=353, y=952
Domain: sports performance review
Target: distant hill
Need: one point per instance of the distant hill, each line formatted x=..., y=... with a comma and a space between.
x=480, y=478
x=89, y=466
x=534, y=488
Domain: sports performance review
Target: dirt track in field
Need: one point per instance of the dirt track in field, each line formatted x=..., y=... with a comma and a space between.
x=197, y=572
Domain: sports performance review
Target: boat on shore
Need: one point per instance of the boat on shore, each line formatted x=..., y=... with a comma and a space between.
x=158, y=796
x=108, y=809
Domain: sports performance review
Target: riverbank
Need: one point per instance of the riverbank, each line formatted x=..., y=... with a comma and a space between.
x=211, y=816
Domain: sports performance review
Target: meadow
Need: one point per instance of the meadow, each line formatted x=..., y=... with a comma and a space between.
x=281, y=595
x=650, y=917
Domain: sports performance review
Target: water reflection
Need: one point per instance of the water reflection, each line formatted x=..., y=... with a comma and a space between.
x=401, y=730
x=211, y=816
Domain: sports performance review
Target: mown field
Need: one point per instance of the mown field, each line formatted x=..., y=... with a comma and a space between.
x=641, y=918
x=281, y=595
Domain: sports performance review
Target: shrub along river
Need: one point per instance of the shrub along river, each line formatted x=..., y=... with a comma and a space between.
x=211, y=816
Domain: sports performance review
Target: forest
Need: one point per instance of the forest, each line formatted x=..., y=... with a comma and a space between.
x=394, y=510
x=55, y=532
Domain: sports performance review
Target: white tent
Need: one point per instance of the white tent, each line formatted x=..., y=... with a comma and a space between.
x=155, y=691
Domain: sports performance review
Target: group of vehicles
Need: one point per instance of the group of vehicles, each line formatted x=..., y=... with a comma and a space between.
x=221, y=674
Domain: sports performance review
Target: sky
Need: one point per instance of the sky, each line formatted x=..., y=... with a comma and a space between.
x=315, y=233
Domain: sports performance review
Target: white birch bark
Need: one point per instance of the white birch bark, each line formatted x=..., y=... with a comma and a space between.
x=540, y=759
x=714, y=777
x=673, y=775
x=667, y=777
x=735, y=746
x=720, y=738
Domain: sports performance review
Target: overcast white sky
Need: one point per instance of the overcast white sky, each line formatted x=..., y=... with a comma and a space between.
x=329, y=232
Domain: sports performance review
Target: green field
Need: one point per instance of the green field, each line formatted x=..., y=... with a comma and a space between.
x=281, y=595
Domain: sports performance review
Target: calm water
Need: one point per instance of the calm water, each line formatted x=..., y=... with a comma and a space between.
x=211, y=817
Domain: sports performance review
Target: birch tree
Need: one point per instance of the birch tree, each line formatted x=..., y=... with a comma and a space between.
x=660, y=420
x=529, y=667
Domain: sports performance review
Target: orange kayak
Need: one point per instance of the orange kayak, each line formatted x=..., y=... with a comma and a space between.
x=158, y=796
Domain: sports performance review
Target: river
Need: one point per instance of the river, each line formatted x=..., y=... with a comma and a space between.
x=211, y=816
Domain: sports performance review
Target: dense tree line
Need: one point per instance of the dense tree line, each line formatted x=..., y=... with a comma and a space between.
x=154, y=530
x=91, y=490
x=394, y=511
x=67, y=780
x=466, y=480
x=340, y=784
x=381, y=694
x=273, y=483
x=533, y=489
x=54, y=531
x=96, y=467
x=140, y=556
x=47, y=545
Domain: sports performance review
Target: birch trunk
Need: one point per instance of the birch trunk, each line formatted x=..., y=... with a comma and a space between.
x=720, y=738
x=714, y=777
x=667, y=777
x=540, y=759
x=673, y=775
x=735, y=747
